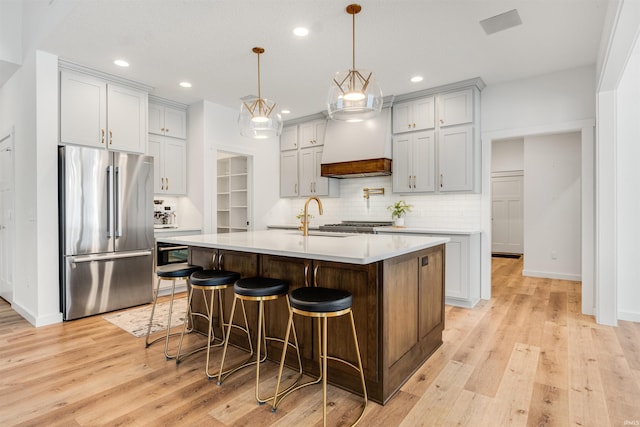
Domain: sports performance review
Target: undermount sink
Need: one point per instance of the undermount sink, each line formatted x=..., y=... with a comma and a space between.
x=322, y=234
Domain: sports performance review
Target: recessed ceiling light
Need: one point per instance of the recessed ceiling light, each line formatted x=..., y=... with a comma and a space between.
x=301, y=31
x=185, y=84
x=416, y=79
x=121, y=63
x=285, y=111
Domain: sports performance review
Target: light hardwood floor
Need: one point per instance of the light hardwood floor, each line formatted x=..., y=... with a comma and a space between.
x=527, y=357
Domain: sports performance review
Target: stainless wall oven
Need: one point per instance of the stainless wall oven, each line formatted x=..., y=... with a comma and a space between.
x=169, y=253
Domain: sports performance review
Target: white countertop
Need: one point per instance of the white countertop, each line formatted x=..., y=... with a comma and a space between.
x=171, y=229
x=338, y=247
x=425, y=230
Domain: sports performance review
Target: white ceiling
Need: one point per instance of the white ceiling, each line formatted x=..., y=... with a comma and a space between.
x=209, y=42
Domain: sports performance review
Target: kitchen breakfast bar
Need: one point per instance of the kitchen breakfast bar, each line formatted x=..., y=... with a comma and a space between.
x=397, y=283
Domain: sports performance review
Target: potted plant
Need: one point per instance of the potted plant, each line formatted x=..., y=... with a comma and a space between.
x=398, y=210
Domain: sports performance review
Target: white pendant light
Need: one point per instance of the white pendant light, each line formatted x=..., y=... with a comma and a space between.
x=354, y=95
x=257, y=119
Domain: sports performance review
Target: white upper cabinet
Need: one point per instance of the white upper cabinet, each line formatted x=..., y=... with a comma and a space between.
x=414, y=163
x=289, y=138
x=167, y=121
x=311, y=134
x=455, y=108
x=169, y=165
x=289, y=174
x=456, y=159
x=97, y=113
x=127, y=119
x=312, y=183
x=414, y=115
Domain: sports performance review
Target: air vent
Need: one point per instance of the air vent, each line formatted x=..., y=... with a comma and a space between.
x=501, y=22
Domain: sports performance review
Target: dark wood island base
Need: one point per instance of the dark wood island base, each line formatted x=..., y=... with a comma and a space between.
x=398, y=306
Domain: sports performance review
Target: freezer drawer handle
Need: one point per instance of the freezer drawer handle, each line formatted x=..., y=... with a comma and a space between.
x=173, y=248
x=106, y=257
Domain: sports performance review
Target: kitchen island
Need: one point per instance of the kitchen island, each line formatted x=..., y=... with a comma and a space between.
x=397, y=284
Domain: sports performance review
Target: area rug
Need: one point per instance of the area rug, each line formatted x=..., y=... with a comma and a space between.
x=136, y=320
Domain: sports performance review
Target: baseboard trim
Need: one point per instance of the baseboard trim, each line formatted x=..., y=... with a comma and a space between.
x=630, y=316
x=36, y=321
x=549, y=275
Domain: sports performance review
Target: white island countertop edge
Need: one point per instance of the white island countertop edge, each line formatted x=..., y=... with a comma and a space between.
x=337, y=247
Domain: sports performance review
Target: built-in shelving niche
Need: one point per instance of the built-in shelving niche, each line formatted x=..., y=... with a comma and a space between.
x=233, y=193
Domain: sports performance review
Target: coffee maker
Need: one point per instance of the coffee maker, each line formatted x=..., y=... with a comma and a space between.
x=164, y=216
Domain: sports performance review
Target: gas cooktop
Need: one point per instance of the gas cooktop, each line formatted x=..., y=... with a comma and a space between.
x=355, y=226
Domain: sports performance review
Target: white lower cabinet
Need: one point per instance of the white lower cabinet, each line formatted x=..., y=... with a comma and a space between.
x=462, y=267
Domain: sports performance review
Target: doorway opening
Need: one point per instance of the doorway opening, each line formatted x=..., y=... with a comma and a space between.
x=233, y=193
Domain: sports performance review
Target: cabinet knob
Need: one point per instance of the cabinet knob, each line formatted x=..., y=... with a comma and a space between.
x=441, y=121
x=167, y=130
x=409, y=126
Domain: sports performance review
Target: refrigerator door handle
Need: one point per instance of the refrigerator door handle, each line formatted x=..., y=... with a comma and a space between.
x=104, y=257
x=109, y=201
x=118, y=203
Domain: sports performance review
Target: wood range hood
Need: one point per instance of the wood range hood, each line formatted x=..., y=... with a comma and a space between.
x=356, y=150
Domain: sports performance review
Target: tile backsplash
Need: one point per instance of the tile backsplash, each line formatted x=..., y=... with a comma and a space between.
x=459, y=211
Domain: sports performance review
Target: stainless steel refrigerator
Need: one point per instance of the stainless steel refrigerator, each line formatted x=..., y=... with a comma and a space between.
x=106, y=230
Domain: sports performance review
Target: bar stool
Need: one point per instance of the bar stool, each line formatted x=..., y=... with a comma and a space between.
x=260, y=289
x=322, y=303
x=213, y=281
x=173, y=272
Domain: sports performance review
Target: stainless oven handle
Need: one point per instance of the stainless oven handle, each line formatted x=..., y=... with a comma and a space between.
x=172, y=248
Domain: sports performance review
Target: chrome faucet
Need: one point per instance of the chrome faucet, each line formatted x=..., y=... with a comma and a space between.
x=305, y=218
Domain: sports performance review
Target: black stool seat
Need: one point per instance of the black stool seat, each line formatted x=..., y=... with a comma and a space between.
x=260, y=287
x=320, y=300
x=177, y=270
x=213, y=277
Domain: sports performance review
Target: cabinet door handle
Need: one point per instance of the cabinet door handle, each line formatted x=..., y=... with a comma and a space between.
x=306, y=275
x=440, y=180
x=414, y=181
x=414, y=125
x=167, y=181
x=295, y=188
x=167, y=130
x=162, y=183
x=315, y=275
x=110, y=137
x=220, y=261
x=409, y=181
x=441, y=121
x=102, y=132
x=409, y=125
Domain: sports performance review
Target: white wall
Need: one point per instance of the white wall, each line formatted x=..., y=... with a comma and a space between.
x=507, y=155
x=617, y=48
x=217, y=130
x=628, y=178
x=29, y=102
x=552, y=225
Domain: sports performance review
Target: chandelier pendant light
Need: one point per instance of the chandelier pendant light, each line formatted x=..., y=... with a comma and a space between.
x=256, y=119
x=352, y=96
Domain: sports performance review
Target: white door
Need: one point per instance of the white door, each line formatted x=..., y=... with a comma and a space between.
x=507, y=214
x=6, y=217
